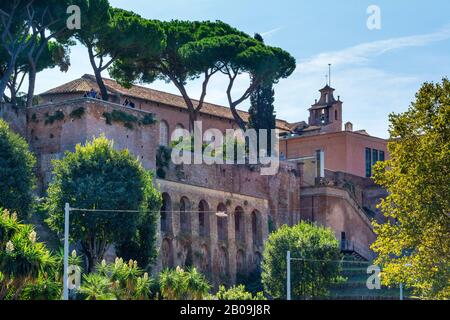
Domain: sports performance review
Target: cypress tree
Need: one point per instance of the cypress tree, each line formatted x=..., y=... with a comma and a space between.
x=262, y=111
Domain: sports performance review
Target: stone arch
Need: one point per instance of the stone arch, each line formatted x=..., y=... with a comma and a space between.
x=166, y=213
x=167, y=253
x=257, y=234
x=204, y=259
x=163, y=133
x=222, y=262
x=203, y=219
x=240, y=262
x=185, y=215
x=222, y=222
x=185, y=256
x=257, y=260
x=239, y=225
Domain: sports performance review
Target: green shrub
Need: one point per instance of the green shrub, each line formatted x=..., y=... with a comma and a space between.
x=182, y=284
x=16, y=174
x=57, y=116
x=310, y=277
x=117, y=281
x=238, y=293
x=96, y=176
x=77, y=113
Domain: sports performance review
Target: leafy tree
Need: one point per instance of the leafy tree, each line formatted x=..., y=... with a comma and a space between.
x=310, y=277
x=413, y=245
x=182, y=60
x=237, y=293
x=239, y=54
x=16, y=174
x=182, y=284
x=110, y=34
x=98, y=177
x=262, y=112
x=14, y=32
x=24, y=262
x=54, y=55
x=26, y=27
x=116, y=281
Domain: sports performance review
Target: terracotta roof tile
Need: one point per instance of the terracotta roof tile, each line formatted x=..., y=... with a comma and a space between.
x=87, y=82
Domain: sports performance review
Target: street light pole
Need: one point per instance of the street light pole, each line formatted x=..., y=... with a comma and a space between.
x=288, y=278
x=66, y=252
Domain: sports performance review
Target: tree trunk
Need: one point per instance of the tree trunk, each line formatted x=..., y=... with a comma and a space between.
x=31, y=85
x=98, y=75
x=4, y=81
x=241, y=123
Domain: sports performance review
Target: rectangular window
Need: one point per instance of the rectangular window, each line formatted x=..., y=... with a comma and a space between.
x=382, y=157
x=368, y=162
x=374, y=157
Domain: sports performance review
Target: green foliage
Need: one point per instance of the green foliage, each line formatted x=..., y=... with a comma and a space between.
x=77, y=113
x=57, y=116
x=252, y=281
x=116, y=281
x=413, y=245
x=182, y=284
x=237, y=293
x=25, y=265
x=110, y=34
x=262, y=112
x=148, y=119
x=310, y=278
x=196, y=49
x=42, y=289
x=163, y=157
x=16, y=174
x=98, y=177
x=128, y=119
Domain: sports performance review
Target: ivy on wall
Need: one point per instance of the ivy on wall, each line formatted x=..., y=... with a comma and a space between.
x=163, y=157
x=57, y=116
x=127, y=119
x=77, y=113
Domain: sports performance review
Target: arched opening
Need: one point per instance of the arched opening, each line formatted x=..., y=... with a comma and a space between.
x=203, y=219
x=163, y=133
x=166, y=213
x=222, y=263
x=185, y=215
x=240, y=262
x=204, y=259
x=271, y=224
x=256, y=228
x=257, y=260
x=167, y=254
x=222, y=222
x=239, y=225
x=185, y=256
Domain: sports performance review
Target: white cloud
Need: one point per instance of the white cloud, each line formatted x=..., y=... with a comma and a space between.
x=362, y=53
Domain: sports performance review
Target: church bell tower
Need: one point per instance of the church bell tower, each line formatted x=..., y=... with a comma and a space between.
x=327, y=112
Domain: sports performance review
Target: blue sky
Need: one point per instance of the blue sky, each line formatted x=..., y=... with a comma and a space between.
x=375, y=72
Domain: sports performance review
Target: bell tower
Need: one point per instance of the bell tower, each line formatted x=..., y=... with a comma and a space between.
x=327, y=112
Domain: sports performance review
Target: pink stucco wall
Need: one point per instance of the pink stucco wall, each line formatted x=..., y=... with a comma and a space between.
x=344, y=151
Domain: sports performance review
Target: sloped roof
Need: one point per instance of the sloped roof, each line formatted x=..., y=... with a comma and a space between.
x=88, y=82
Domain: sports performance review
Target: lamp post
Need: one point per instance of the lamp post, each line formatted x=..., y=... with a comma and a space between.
x=66, y=252
x=288, y=278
